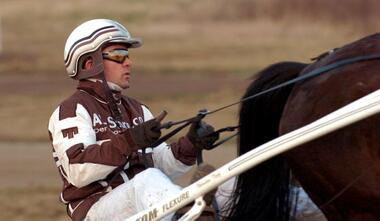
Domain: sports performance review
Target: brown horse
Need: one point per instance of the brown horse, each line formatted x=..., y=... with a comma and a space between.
x=340, y=171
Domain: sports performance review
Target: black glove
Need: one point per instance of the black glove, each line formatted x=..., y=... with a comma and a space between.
x=145, y=134
x=202, y=135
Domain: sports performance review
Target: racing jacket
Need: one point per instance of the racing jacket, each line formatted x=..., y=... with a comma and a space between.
x=92, y=153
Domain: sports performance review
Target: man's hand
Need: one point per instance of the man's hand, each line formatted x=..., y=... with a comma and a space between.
x=202, y=135
x=145, y=134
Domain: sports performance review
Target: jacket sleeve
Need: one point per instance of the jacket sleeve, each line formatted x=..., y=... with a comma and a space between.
x=82, y=158
x=174, y=159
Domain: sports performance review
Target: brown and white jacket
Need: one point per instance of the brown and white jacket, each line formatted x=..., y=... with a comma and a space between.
x=93, y=156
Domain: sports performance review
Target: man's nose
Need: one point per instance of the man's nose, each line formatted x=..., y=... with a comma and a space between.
x=127, y=62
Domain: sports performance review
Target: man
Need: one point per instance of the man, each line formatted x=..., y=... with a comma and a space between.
x=102, y=140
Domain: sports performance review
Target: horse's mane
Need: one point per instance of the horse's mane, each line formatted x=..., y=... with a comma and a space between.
x=259, y=120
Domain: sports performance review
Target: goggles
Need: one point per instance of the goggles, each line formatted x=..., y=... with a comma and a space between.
x=117, y=55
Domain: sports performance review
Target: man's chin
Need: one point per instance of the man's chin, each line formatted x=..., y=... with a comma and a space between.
x=125, y=86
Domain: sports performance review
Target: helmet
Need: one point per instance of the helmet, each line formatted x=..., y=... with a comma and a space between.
x=87, y=40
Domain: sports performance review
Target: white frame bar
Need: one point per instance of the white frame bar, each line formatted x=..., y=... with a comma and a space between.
x=351, y=113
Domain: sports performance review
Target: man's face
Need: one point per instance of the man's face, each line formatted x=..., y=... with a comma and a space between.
x=118, y=73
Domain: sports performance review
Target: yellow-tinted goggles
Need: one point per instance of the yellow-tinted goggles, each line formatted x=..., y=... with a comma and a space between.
x=117, y=55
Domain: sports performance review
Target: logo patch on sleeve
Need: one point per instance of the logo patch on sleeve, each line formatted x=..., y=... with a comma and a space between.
x=70, y=132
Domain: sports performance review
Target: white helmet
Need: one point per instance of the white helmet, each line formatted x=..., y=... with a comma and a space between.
x=88, y=39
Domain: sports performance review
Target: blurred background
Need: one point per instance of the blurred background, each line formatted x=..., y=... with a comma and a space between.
x=196, y=54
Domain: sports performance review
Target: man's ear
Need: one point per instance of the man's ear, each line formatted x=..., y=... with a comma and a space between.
x=88, y=63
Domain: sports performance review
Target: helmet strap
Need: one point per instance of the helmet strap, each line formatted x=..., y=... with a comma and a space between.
x=111, y=102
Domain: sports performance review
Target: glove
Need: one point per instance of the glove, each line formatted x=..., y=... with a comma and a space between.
x=202, y=135
x=145, y=134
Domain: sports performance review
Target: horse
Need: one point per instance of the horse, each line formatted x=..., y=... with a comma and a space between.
x=339, y=171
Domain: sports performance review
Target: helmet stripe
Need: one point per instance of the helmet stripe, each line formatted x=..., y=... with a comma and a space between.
x=87, y=40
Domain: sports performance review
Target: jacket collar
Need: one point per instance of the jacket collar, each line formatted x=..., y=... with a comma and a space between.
x=95, y=88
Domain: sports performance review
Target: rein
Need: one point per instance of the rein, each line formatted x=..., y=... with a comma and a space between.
x=204, y=112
